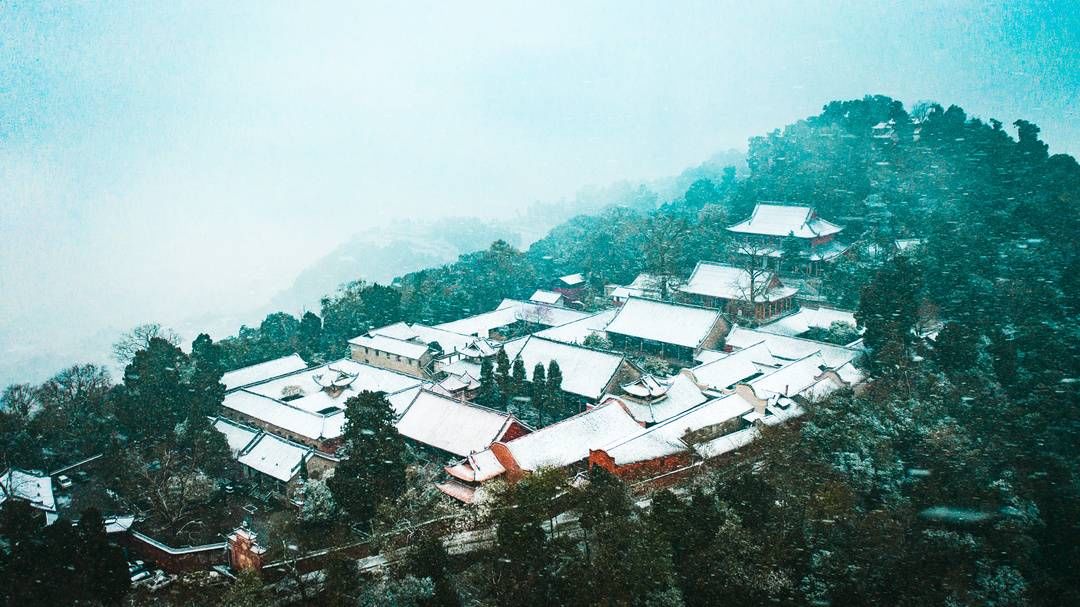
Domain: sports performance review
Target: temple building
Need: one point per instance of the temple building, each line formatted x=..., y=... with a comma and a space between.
x=776, y=230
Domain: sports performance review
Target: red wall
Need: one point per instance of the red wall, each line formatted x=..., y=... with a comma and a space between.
x=640, y=470
x=515, y=430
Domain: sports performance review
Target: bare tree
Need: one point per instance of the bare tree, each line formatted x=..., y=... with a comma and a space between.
x=139, y=338
x=754, y=282
x=169, y=482
x=19, y=399
x=534, y=314
x=666, y=237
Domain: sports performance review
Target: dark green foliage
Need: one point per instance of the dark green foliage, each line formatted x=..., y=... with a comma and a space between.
x=341, y=584
x=555, y=399
x=502, y=377
x=517, y=376
x=375, y=468
x=889, y=309
x=526, y=560
x=309, y=336
x=956, y=348
x=59, y=564
x=539, y=395
x=428, y=559
x=490, y=394
x=626, y=562
x=160, y=390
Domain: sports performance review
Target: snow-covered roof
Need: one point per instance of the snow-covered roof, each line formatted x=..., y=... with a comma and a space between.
x=575, y=332
x=570, y=440
x=828, y=251
x=784, y=220
x=850, y=374
x=790, y=348
x=729, y=282
x=305, y=391
x=236, y=434
x=456, y=383
x=800, y=378
x=263, y=371
x=706, y=355
x=477, y=467
x=680, y=394
x=424, y=334
x=398, y=330
x=118, y=524
x=671, y=436
x=399, y=401
x=509, y=312
x=546, y=297
x=647, y=387
x=34, y=488
x=382, y=343
x=905, y=245
x=727, y=443
x=572, y=280
x=664, y=322
x=275, y=456
x=308, y=424
x=299, y=404
x=451, y=425
x=725, y=372
x=458, y=367
x=808, y=318
x=586, y=372
x=644, y=285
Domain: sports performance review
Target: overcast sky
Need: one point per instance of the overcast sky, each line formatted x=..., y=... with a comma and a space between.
x=165, y=159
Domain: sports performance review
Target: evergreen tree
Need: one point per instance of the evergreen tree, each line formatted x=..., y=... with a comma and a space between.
x=247, y=591
x=374, y=468
x=153, y=398
x=428, y=559
x=538, y=393
x=955, y=349
x=517, y=377
x=341, y=584
x=489, y=395
x=502, y=374
x=525, y=558
x=625, y=562
x=309, y=336
x=100, y=568
x=889, y=309
x=554, y=397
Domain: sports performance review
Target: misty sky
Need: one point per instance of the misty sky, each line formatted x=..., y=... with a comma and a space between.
x=163, y=160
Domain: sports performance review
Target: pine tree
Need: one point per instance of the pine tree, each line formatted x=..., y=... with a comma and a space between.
x=554, y=398
x=502, y=373
x=374, y=468
x=489, y=394
x=309, y=337
x=428, y=558
x=889, y=309
x=517, y=384
x=100, y=568
x=538, y=393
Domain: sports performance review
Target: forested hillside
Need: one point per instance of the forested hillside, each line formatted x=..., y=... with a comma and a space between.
x=952, y=480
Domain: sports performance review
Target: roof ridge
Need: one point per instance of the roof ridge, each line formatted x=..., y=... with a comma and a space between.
x=671, y=303
x=467, y=403
x=672, y=419
x=563, y=421
x=574, y=345
x=813, y=341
